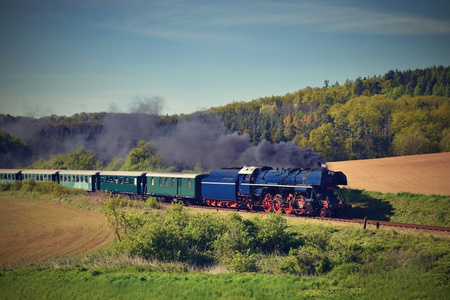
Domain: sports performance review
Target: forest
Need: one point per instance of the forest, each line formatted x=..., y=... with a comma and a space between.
x=398, y=113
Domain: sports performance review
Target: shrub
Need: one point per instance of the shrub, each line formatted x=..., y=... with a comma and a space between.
x=241, y=263
x=152, y=202
x=16, y=186
x=272, y=234
x=310, y=261
x=5, y=187
x=28, y=185
x=202, y=231
x=238, y=237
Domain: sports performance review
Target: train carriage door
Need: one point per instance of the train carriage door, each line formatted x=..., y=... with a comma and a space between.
x=179, y=185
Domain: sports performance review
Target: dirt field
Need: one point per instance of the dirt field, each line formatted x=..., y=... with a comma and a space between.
x=34, y=230
x=419, y=174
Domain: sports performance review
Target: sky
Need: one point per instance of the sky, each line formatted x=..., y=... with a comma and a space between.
x=64, y=57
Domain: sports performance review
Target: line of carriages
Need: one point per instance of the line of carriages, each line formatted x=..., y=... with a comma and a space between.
x=295, y=191
x=142, y=184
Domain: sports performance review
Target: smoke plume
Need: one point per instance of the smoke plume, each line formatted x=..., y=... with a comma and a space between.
x=205, y=139
x=197, y=138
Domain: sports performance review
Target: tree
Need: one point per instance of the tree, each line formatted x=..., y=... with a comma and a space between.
x=409, y=143
x=116, y=216
x=321, y=141
x=143, y=158
x=358, y=88
x=13, y=152
x=78, y=160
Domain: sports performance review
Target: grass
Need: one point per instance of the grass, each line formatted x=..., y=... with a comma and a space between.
x=95, y=284
x=401, y=207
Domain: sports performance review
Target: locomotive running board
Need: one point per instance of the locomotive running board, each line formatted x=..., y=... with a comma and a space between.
x=280, y=185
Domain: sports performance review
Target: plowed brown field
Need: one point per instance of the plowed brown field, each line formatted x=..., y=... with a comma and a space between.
x=33, y=230
x=419, y=174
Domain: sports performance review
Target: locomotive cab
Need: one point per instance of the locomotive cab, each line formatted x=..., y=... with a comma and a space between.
x=246, y=179
x=330, y=195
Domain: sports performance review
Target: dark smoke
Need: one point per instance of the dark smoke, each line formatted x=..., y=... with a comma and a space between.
x=204, y=138
x=198, y=138
x=283, y=154
x=121, y=132
x=110, y=135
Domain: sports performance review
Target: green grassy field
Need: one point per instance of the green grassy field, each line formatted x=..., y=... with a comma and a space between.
x=88, y=284
x=401, y=207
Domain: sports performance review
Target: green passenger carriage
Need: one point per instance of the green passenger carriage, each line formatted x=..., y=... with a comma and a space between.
x=85, y=180
x=10, y=175
x=174, y=185
x=122, y=182
x=41, y=175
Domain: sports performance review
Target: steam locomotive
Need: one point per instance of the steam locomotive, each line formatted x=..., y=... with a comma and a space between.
x=288, y=190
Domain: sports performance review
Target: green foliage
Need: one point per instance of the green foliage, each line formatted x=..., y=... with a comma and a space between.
x=115, y=165
x=30, y=186
x=366, y=118
x=119, y=220
x=243, y=262
x=152, y=202
x=201, y=238
x=144, y=158
x=78, y=160
x=5, y=186
x=13, y=151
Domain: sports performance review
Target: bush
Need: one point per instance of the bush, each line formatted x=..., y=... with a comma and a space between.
x=241, y=263
x=5, y=187
x=16, y=186
x=152, y=202
x=28, y=185
x=272, y=234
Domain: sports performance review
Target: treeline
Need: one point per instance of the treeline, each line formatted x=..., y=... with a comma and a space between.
x=400, y=113
x=143, y=157
x=109, y=135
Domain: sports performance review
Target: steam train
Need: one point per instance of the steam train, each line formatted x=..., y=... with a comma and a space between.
x=288, y=190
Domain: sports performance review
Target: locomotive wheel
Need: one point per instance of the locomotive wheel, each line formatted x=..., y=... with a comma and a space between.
x=267, y=203
x=288, y=209
x=323, y=212
x=277, y=203
x=250, y=206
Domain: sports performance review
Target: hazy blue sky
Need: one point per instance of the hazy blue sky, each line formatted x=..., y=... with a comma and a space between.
x=63, y=57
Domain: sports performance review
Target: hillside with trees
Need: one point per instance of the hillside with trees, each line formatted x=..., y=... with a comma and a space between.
x=399, y=113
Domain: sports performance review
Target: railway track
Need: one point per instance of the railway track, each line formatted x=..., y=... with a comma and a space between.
x=364, y=222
